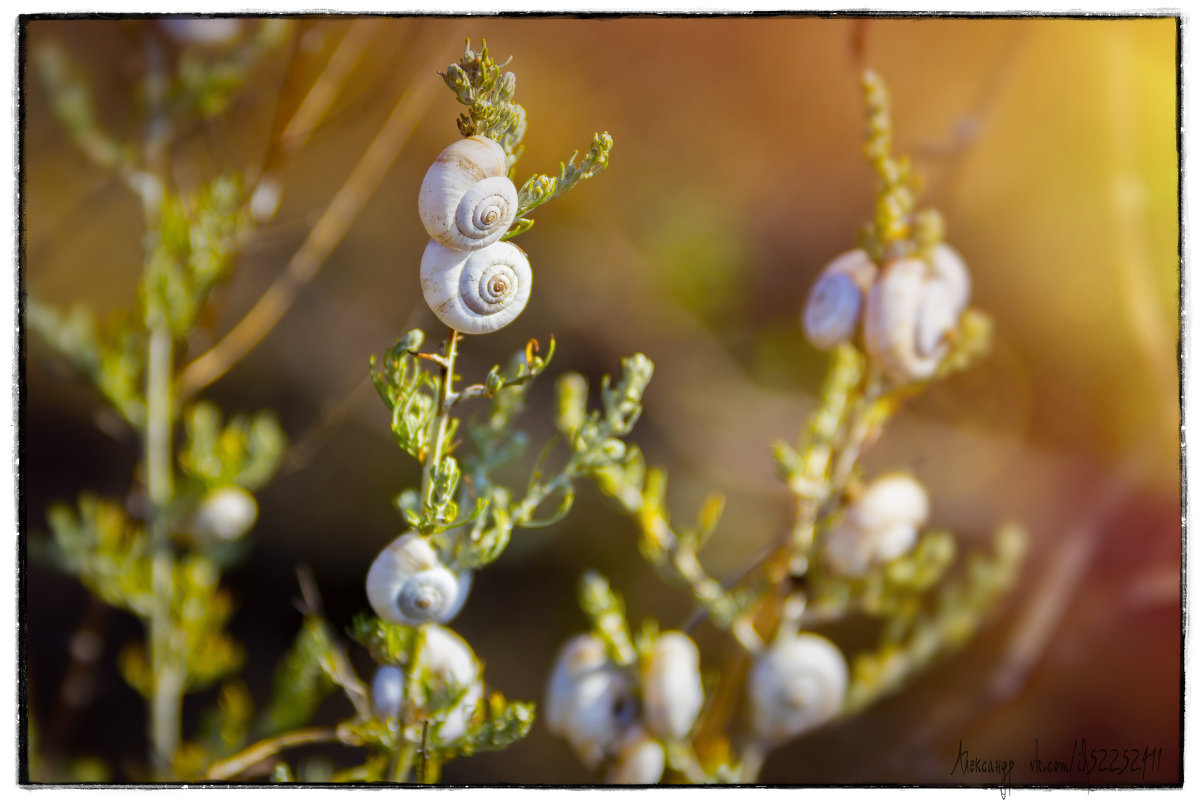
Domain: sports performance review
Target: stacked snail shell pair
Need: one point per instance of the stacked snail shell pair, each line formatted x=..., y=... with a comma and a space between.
x=909, y=308
x=609, y=716
x=452, y=666
x=471, y=280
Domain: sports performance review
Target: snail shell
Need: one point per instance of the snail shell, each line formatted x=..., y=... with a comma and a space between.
x=590, y=702
x=407, y=584
x=205, y=31
x=451, y=663
x=476, y=292
x=466, y=201
x=912, y=310
x=225, y=513
x=881, y=524
x=387, y=691
x=796, y=685
x=640, y=759
x=836, y=302
x=672, y=692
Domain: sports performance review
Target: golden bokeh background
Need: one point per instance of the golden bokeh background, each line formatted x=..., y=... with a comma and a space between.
x=1050, y=147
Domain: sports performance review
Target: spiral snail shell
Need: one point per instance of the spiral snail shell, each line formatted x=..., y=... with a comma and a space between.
x=671, y=684
x=879, y=525
x=836, y=302
x=590, y=702
x=911, y=312
x=640, y=759
x=794, y=686
x=476, y=292
x=407, y=584
x=466, y=201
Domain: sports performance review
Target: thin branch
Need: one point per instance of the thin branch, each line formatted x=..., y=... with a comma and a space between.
x=340, y=670
x=326, y=234
x=328, y=84
x=248, y=758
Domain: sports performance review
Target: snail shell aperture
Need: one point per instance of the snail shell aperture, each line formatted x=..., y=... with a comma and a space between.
x=478, y=291
x=407, y=584
x=466, y=201
x=835, y=305
x=796, y=685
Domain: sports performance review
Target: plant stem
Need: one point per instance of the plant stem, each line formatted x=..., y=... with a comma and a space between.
x=248, y=758
x=167, y=688
x=402, y=764
x=443, y=416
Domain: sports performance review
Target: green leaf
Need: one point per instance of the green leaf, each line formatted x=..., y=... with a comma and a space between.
x=388, y=643
x=300, y=683
x=504, y=723
x=608, y=614
x=245, y=453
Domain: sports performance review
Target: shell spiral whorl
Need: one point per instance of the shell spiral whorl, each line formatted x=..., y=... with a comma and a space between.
x=796, y=685
x=466, y=201
x=836, y=302
x=479, y=291
x=408, y=585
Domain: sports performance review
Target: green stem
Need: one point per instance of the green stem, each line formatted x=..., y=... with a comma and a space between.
x=167, y=690
x=402, y=764
x=443, y=416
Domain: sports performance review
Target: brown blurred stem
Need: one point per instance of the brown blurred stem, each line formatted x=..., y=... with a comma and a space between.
x=325, y=235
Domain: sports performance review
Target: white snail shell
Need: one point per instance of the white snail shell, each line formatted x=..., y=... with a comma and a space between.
x=387, y=691
x=466, y=201
x=590, y=701
x=640, y=759
x=836, y=303
x=407, y=584
x=225, y=513
x=451, y=663
x=912, y=310
x=205, y=31
x=881, y=524
x=794, y=686
x=671, y=682
x=476, y=292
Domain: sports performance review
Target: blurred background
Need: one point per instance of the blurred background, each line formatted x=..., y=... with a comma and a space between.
x=1050, y=147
